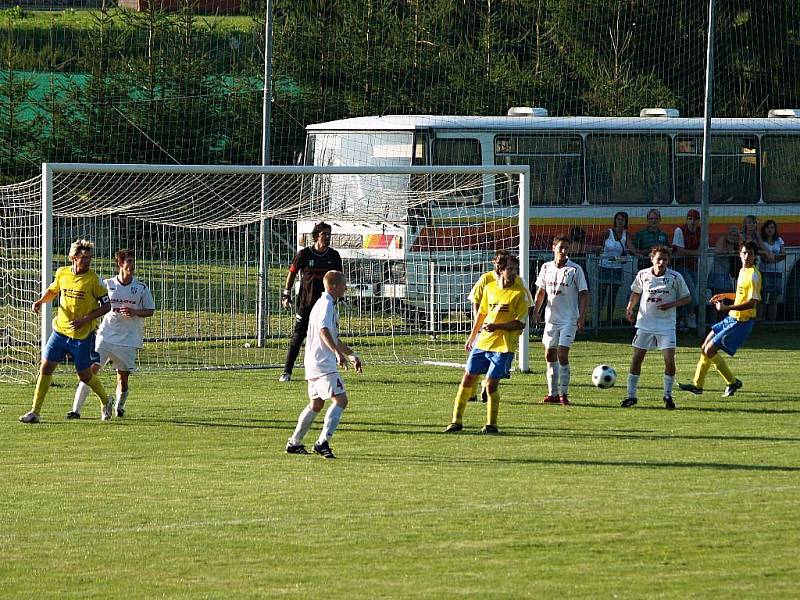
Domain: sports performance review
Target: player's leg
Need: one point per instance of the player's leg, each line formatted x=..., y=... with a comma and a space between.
x=55, y=351
x=477, y=365
x=641, y=343
x=703, y=363
x=123, y=389
x=500, y=368
x=334, y=413
x=298, y=335
x=550, y=340
x=566, y=338
x=304, y=421
x=669, y=375
x=82, y=391
x=85, y=356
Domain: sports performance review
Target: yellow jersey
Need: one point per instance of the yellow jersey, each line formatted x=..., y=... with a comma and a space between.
x=748, y=287
x=78, y=295
x=502, y=305
x=476, y=294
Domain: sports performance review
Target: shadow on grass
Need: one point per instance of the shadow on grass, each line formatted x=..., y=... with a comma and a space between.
x=581, y=463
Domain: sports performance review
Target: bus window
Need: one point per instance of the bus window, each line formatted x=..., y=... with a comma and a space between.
x=357, y=195
x=734, y=169
x=451, y=188
x=628, y=169
x=556, y=164
x=781, y=176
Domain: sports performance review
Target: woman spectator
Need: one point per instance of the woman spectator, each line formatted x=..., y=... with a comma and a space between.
x=771, y=269
x=612, y=262
x=721, y=278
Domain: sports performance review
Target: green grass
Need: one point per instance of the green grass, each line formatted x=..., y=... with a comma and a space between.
x=192, y=496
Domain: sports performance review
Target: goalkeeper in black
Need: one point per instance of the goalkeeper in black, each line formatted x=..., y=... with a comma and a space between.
x=312, y=263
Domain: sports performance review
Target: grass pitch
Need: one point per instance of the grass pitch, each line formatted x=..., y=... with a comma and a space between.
x=192, y=495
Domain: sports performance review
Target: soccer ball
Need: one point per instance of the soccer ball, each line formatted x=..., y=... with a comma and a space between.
x=604, y=376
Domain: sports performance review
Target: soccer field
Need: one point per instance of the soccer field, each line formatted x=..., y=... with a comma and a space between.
x=193, y=496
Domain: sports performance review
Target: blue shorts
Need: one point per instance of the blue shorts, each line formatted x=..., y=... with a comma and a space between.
x=730, y=334
x=81, y=351
x=496, y=365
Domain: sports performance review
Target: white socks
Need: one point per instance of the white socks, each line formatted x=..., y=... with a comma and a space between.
x=633, y=384
x=552, y=378
x=304, y=422
x=331, y=422
x=669, y=381
x=80, y=397
x=563, y=378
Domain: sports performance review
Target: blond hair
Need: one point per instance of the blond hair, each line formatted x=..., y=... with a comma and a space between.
x=333, y=278
x=79, y=246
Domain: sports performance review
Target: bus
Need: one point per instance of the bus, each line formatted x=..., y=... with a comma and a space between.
x=583, y=170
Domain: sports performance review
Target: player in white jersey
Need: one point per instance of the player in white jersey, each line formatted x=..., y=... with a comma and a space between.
x=121, y=332
x=563, y=283
x=658, y=291
x=324, y=353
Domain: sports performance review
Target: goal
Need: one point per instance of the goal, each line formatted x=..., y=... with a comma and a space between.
x=214, y=244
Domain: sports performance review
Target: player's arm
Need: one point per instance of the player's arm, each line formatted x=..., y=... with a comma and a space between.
x=47, y=296
x=747, y=305
x=583, y=303
x=105, y=307
x=677, y=303
x=476, y=328
x=538, y=302
x=507, y=326
x=633, y=302
x=341, y=350
x=286, y=294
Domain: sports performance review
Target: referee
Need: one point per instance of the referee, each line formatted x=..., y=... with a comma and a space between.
x=312, y=263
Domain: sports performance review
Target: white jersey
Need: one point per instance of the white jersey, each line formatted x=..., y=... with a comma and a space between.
x=563, y=286
x=670, y=287
x=319, y=358
x=115, y=327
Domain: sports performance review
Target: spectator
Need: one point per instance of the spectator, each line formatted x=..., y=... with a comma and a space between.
x=612, y=263
x=721, y=279
x=647, y=238
x=686, y=246
x=772, y=255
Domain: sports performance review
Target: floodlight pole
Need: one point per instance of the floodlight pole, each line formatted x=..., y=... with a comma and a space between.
x=706, y=174
x=263, y=237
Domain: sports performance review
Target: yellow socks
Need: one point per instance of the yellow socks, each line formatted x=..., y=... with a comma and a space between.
x=98, y=389
x=42, y=385
x=476, y=389
x=721, y=366
x=702, y=368
x=462, y=397
x=492, y=406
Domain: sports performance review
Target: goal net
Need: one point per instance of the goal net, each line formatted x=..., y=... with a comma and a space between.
x=214, y=244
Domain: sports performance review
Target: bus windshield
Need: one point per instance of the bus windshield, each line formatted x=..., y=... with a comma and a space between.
x=360, y=195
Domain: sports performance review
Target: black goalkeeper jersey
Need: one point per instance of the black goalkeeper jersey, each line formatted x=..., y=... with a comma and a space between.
x=312, y=266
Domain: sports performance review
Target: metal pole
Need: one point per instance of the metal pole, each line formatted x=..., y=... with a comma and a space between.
x=47, y=251
x=706, y=175
x=263, y=246
x=524, y=262
x=432, y=299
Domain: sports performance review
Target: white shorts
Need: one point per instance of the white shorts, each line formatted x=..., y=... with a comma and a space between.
x=554, y=335
x=648, y=340
x=325, y=386
x=122, y=357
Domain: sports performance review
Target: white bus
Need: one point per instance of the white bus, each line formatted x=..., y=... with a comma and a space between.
x=583, y=170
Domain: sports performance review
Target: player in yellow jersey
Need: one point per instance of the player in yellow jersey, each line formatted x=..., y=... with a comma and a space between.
x=730, y=333
x=491, y=343
x=475, y=297
x=82, y=300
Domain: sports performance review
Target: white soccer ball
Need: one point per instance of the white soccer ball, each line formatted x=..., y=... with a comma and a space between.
x=247, y=344
x=604, y=376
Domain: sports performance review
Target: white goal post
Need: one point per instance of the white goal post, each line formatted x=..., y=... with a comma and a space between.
x=207, y=246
